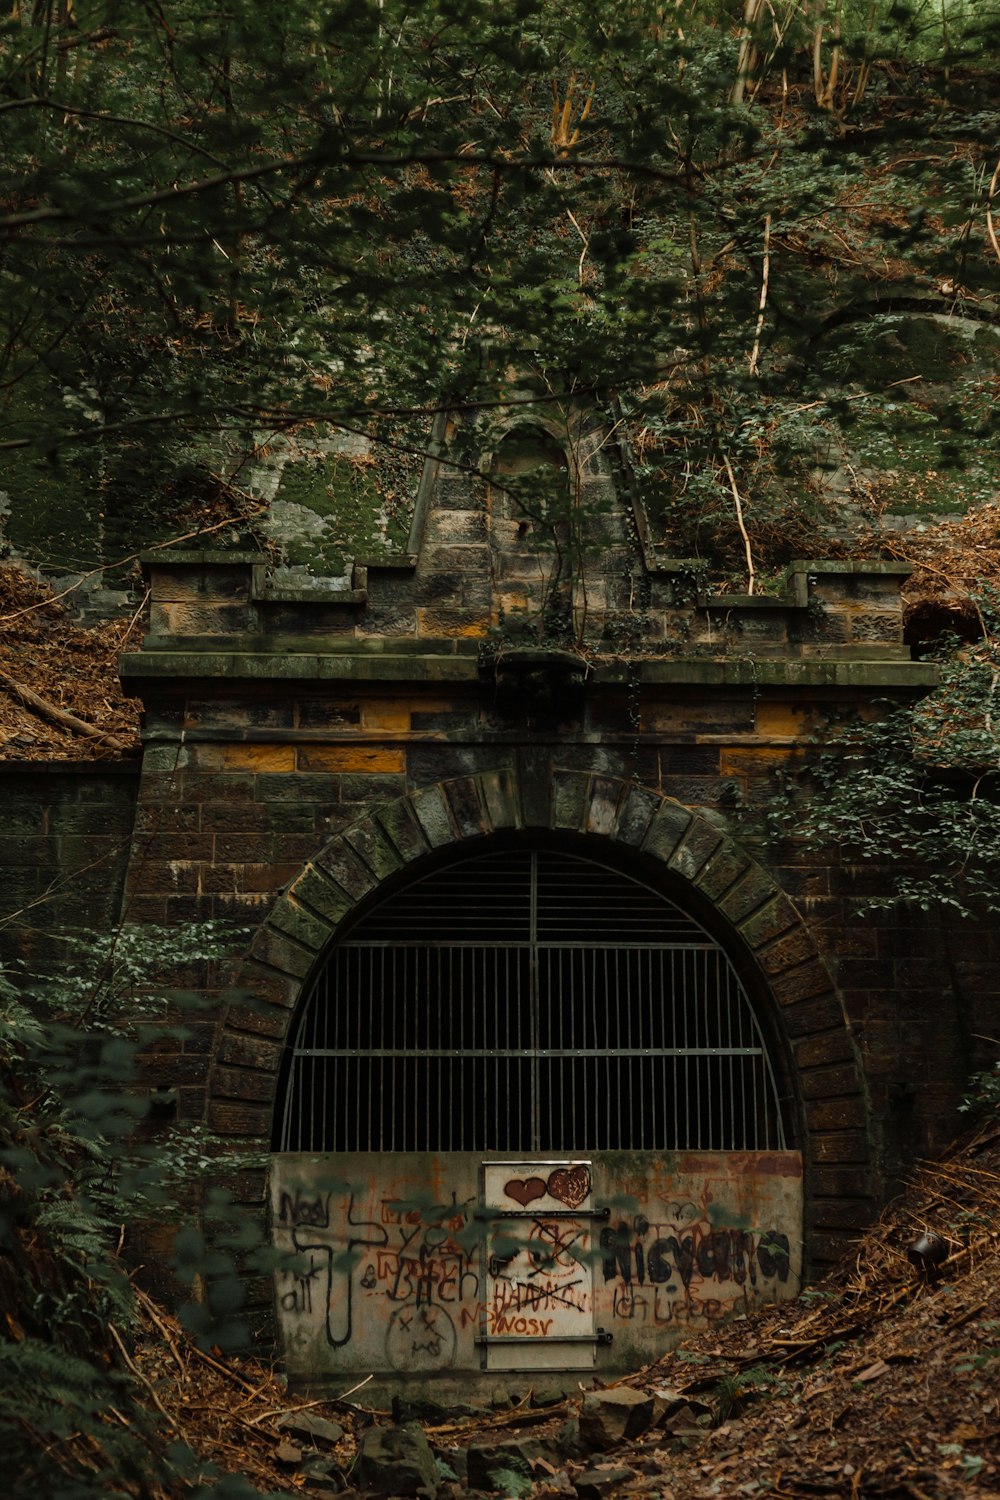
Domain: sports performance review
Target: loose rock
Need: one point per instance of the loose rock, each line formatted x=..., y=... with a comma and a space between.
x=594, y=1484
x=307, y=1424
x=288, y=1455
x=396, y=1461
x=610, y=1417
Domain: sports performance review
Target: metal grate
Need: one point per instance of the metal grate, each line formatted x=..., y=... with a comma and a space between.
x=528, y=1001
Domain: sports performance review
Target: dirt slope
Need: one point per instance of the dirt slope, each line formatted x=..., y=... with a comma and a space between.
x=60, y=697
x=881, y=1381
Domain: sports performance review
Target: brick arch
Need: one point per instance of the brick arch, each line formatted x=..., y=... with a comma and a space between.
x=691, y=847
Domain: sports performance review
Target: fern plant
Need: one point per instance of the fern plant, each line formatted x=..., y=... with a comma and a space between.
x=74, y=1421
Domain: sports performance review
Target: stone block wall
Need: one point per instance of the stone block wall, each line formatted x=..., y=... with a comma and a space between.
x=65, y=842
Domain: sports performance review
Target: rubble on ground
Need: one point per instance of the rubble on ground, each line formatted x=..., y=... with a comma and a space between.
x=880, y=1381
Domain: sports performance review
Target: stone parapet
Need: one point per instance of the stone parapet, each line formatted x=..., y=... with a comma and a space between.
x=238, y=620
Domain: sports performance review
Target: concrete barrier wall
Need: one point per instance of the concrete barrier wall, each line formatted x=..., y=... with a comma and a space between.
x=459, y=1268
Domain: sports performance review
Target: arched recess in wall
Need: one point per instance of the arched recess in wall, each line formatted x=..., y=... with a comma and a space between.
x=532, y=524
x=682, y=853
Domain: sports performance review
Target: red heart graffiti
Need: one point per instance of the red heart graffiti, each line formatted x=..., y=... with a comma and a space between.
x=570, y=1185
x=526, y=1190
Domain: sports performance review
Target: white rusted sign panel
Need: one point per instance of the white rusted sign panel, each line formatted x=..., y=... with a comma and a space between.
x=539, y=1265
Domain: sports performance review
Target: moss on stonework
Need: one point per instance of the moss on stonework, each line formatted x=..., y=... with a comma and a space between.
x=336, y=496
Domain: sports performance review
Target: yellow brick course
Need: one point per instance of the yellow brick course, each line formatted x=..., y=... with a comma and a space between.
x=350, y=758
x=396, y=714
x=432, y=622
x=246, y=757
x=782, y=719
x=752, y=760
x=386, y=714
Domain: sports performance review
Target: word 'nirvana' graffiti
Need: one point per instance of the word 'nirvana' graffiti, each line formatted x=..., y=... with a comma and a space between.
x=641, y=1252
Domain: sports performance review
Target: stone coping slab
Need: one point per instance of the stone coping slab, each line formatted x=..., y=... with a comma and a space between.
x=364, y=665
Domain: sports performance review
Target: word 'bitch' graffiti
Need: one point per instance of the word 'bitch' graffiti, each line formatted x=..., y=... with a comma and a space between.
x=409, y=1256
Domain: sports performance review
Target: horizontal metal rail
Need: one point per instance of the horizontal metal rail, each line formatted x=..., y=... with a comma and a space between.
x=489, y=1214
x=599, y=1336
x=518, y=1052
x=528, y=1001
x=624, y=944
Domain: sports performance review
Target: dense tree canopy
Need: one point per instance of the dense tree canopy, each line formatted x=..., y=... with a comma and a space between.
x=223, y=228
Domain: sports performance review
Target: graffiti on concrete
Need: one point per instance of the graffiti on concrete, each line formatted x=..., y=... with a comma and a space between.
x=403, y=1257
x=539, y=1282
x=428, y=1264
x=328, y=1240
x=568, y=1185
x=681, y=1267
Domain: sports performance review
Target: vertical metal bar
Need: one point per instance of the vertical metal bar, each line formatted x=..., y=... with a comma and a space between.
x=732, y=1100
x=609, y=1032
x=675, y=1042
x=499, y=1040
x=438, y=977
x=550, y=1074
x=363, y=1001
x=312, y=1127
x=294, y=1115
x=694, y=1010
x=619, y=1030
x=456, y=998
x=342, y=1002
x=389, y=1126
x=569, y=1066
x=508, y=1010
x=748, y=1071
x=324, y=1127
x=685, y=1043
x=512, y=1078
x=739, y=1062
x=378, y=1142
x=491, y=1067
x=659, y=1139
x=533, y=1005
x=466, y=960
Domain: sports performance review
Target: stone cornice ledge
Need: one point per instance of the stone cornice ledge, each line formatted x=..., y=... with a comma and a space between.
x=450, y=666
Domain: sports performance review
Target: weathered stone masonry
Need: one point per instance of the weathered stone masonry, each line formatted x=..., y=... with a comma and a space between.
x=307, y=746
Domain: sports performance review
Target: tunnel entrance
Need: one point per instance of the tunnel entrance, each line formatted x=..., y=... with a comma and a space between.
x=483, y=1042
x=528, y=1000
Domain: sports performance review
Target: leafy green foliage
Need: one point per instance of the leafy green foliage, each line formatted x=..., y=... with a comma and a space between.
x=224, y=228
x=74, y=1172
x=983, y=1096
x=915, y=792
x=735, y=1392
